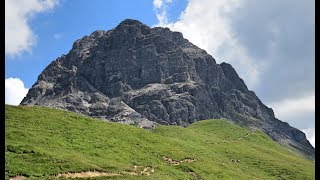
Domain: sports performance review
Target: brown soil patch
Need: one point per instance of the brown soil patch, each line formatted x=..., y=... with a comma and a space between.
x=86, y=174
x=140, y=170
x=137, y=170
x=18, y=178
x=176, y=162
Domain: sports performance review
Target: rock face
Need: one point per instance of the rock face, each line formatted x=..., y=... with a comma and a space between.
x=139, y=75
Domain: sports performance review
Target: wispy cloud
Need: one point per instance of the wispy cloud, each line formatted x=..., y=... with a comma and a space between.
x=14, y=91
x=18, y=34
x=157, y=3
x=160, y=7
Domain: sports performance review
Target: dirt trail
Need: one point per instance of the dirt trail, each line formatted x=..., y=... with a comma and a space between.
x=137, y=171
x=140, y=170
x=86, y=174
x=176, y=162
x=17, y=178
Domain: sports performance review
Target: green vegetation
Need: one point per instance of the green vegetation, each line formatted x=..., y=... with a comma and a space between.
x=42, y=142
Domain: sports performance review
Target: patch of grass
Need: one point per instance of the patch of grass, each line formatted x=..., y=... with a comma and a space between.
x=43, y=142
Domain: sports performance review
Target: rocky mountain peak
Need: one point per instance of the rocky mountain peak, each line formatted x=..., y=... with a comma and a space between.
x=131, y=22
x=146, y=76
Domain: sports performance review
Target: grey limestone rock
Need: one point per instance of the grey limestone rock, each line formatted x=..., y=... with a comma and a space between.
x=145, y=76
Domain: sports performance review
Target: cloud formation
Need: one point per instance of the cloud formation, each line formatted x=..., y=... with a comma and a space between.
x=14, y=91
x=282, y=35
x=18, y=34
x=290, y=108
x=269, y=43
x=299, y=112
x=160, y=7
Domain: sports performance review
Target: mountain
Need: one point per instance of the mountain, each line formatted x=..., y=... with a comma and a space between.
x=43, y=143
x=146, y=76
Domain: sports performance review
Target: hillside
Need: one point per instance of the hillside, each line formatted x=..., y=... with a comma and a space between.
x=136, y=74
x=43, y=142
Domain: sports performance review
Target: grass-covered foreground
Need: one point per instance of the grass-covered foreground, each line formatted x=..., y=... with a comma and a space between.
x=41, y=143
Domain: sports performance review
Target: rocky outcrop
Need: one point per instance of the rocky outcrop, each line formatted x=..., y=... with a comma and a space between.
x=139, y=75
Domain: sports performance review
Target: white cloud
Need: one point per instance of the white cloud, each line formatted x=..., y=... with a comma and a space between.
x=205, y=24
x=290, y=108
x=157, y=3
x=160, y=7
x=18, y=35
x=310, y=133
x=298, y=112
x=14, y=91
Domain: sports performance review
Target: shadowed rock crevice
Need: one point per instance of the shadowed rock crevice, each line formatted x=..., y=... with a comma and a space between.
x=139, y=75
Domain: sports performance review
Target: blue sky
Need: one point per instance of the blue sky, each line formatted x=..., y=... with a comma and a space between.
x=58, y=28
x=269, y=43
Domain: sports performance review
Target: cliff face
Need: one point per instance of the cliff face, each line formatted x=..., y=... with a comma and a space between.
x=139, y=75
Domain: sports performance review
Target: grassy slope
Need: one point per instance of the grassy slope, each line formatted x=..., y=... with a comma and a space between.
x=41, y=142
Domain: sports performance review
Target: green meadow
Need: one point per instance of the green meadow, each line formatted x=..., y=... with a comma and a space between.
x=41, y=143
